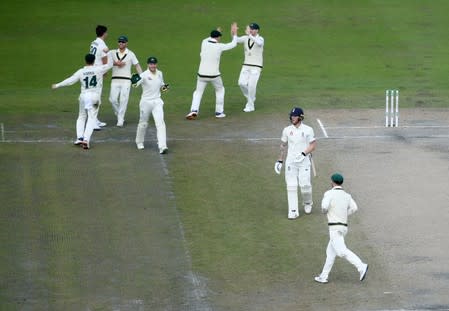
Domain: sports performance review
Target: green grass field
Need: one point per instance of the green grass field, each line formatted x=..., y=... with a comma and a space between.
x=114, y=229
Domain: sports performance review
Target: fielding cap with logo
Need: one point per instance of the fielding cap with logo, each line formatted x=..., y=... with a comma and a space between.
x=254, y=26
x=152, y=60
x=122, y=39
x=337, y=178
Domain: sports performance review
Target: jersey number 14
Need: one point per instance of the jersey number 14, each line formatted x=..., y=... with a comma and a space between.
x=90, y=83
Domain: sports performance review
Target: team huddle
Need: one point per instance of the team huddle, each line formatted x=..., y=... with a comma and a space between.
x=297, y=140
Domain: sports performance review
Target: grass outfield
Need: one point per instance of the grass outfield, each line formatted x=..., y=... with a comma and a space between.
x=221, y=210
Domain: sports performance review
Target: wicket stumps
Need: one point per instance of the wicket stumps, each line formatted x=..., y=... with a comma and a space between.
x=392, y=112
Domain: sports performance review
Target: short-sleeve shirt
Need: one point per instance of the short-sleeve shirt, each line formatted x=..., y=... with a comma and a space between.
x=298, y=139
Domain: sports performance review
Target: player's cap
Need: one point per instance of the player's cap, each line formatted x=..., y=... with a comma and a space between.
x=152, y=60
x=215, y=34
x=122, y=39
x=337, y=178
x=89, y=58
x=254, y=26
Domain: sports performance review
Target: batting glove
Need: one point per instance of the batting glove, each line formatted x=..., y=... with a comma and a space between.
x=278, y=167
x=299, y=158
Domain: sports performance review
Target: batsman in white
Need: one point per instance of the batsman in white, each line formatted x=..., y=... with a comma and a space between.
x=338, y=204
x=90, y=78
x=99, y=48
x=209, y=71
x=152, y=82
x=252, y=65
x=123, y=59
x=300, y=140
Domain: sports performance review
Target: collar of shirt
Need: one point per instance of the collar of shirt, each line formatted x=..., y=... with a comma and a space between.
x=212, y=40
x=337, y=188
x=122, y=53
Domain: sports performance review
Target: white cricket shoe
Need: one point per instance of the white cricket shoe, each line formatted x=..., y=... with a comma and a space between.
x=293, y=215
x=220, y=115
x=363, y=272
x=163, y=150
x=249, y=108
x=78, y=142
x=321, y=279
x=140, y=146
x=192, y=115
x=308, y=208
x=101, y=124
x=120, y=124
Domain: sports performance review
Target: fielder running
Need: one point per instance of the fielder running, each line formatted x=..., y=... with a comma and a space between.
x=122, y=59
x=338, y=204
x=152, y=82
x=252, y=65
x=209, y=72
x=99, y=48
x=90, y=78
x=300, y=140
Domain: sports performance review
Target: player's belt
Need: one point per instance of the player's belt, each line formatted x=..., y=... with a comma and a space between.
x=253, y=65
x=123, y=78
x=337, y=224
x=204, y=76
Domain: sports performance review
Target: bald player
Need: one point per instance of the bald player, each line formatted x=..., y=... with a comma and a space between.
x=90, y=78
x=252, y=65
x=209, y=71
x=337, y=204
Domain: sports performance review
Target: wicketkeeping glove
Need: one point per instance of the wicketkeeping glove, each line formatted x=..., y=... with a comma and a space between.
x=135, y=78
x=278, y=167
x=165, y=88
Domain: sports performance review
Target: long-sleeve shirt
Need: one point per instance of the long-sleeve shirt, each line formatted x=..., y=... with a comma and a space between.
x=90, y=78
x=210, y=56
x=253, y=50
x=151, y=84
x=338, y=204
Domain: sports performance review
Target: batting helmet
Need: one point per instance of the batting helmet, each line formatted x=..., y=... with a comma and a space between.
x=297, y=112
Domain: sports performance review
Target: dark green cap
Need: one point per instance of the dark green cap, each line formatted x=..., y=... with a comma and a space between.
x=122, y=39
x=337, y=178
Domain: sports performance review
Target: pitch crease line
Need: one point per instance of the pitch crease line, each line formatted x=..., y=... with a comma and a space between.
x=322, y=128
x=3, y=131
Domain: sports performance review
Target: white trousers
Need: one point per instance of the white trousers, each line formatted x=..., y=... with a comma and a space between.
x=154, y=107
x=87, y=115
x=298, y=175
x=249, y=76
x=201, y=84
x=119, y=96
x=337, y=247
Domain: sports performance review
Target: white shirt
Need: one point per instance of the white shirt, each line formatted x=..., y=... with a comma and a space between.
x=90, y=78
x=338, y=204
x=298, y=139
x=210, y=56
x=253, y=50
x=99, y=49
x=151, y=84
x=128, y=57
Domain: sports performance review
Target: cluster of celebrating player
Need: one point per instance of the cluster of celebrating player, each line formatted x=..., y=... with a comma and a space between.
x=100, y=60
